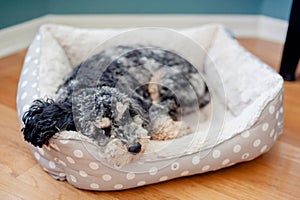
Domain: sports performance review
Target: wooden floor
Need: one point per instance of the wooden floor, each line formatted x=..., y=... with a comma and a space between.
x=275, y=175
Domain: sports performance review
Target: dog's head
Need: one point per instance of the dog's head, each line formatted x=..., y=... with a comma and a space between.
x=116, y=122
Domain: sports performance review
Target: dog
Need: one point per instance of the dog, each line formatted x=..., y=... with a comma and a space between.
x=121, y=98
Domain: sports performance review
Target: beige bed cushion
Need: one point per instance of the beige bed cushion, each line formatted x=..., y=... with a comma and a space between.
x=246, y=108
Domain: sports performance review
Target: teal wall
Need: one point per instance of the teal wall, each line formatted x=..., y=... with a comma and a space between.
x=277, y=8
x=155, y=6
x=16, y=11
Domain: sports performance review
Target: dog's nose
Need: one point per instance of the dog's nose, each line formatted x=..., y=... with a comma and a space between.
x=135, y=148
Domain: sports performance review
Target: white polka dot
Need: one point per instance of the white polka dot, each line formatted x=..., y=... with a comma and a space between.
x=93, y=165
x=153, y=171
x=34, y=85
x=27, y=59
x=130, y=176
x=24, y=83
x=36, y=61
x=62, y=163
x=38, y=37
x=256, y=143
x=245, y=134
x=83, y=173
x=37, y=50
x=175, y=166
x=184, y=173
x=52, y=165
x=216, y=154
x=245, y=156
x=205, y=167
x=41, y=151
x=106, y=177
x=163, y=178
x=64, y=141
x=141, y=183
x=272, y=133
x=25, y=70
x=237, y=148
x=264, y=148
x=73, y=179
x=78, y=153
x=35, y=96
x=62, y=174
x=226, y=161
x=25, y=107
x=34, y=73
x=196, y=160
x=271, y=109
x=37, y=155
x=277, y=115
x=265, y=126
x=281, y=109
x=24, y=95
x=118, y=186
x=70, y=160
x=94, y=186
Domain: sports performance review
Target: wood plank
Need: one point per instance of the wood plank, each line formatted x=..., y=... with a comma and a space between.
x=43, y=182
x=10, y=69
x=193, y=189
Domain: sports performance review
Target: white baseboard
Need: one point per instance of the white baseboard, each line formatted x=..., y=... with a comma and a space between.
x=18, y=37
x=272, y=29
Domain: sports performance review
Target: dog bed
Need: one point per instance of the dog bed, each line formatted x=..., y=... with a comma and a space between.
x=252, y=105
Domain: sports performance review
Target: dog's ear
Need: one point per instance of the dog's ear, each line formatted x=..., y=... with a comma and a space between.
x=45, y=118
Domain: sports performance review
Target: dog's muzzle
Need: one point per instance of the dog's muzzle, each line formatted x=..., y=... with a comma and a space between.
x=135, y=148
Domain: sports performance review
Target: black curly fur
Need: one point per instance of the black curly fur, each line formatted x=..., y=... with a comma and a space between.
x=45, y=118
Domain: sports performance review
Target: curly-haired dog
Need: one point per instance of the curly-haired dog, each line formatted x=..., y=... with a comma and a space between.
x=121, y=98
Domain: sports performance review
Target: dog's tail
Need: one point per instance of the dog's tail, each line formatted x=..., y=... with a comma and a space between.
x=45, y=118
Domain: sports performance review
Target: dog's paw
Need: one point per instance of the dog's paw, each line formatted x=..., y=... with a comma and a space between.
x=167, y=129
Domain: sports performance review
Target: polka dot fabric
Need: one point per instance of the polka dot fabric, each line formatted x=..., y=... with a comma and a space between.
x=75, y=164
x=28, y=89
x=79, y=162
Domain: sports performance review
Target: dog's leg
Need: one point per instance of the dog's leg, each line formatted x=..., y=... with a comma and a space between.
x=164, y=127
x=164, y=111
x=44, y=119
